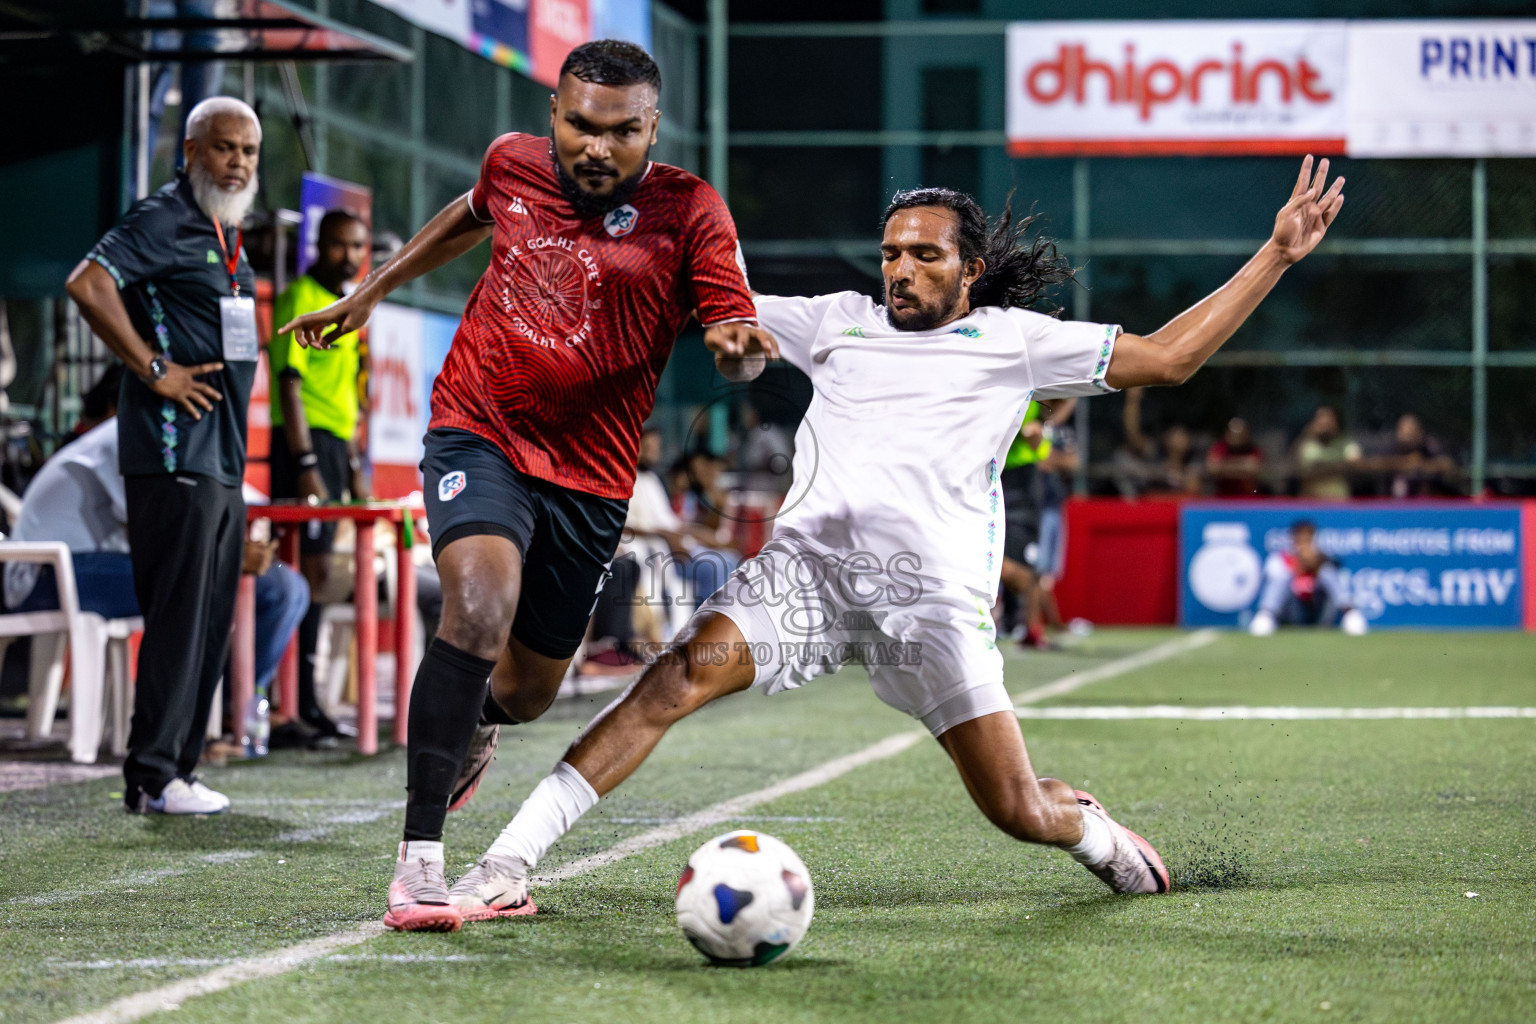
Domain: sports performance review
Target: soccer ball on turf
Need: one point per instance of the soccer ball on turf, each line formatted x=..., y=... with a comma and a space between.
x=744, y=899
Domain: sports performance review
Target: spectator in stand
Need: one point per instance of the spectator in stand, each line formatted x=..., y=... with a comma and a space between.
x=658, y=528
x=78, y=498
x=1420, y=468
x=1234, y=462
x=1145, y=466
x=1303, y=587
x=1325, y=457
x=765, y=452
x=315, y=432
x=99, y=404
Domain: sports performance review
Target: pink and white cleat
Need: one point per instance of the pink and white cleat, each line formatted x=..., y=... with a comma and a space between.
x=495, y=887
x=1135, y=865
x=418, y=898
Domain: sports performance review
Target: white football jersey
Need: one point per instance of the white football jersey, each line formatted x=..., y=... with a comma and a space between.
x=898, y=455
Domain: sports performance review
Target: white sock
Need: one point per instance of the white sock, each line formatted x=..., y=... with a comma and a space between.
x=421, y=849
x=548, y=813
x=1097, y=844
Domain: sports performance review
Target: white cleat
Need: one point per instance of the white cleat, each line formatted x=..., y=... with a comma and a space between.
x=180, y=798
x=418, y=897
x=209, y=794
x=495, y=887
x=1263, y=624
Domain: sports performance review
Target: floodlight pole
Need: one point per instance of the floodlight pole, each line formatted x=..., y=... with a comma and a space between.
x=719, y=43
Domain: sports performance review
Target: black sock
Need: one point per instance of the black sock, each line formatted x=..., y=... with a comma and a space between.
x=445, y=704
x=492, y=713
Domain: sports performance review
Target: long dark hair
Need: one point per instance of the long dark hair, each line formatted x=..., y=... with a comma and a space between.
x=1021, y=266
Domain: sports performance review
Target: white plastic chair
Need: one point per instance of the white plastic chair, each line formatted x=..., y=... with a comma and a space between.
x=98, y=654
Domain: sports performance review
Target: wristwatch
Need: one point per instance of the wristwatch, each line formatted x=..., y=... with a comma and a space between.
x=157, y=369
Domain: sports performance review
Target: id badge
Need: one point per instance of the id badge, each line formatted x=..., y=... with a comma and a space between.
x=237, y=317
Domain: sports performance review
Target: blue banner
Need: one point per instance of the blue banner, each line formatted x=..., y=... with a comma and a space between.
x=1436, y=566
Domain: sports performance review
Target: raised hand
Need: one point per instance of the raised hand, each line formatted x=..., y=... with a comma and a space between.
x=742, y=350
x=342, y=317
x=1302, y=222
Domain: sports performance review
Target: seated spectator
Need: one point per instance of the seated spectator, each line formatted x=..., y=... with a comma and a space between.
x=78, y=498
x=1234, y=462
x=1303, y=587
x=1325, y=456
x=1419, y=465
x=1147, y=466
x=765, y=452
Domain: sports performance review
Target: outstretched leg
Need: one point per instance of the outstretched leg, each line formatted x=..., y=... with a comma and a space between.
x=993, y=763
x=607, y=752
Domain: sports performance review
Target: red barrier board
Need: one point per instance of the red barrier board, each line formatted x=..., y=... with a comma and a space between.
x=1122, y=565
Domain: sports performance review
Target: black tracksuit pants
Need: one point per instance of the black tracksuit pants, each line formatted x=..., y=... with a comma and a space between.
x=186, y=537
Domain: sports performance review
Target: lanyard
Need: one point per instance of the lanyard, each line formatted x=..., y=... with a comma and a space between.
x=230, y=262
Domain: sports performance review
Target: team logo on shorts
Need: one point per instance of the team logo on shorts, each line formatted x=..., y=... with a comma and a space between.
x=621, y=222
x=450, y=485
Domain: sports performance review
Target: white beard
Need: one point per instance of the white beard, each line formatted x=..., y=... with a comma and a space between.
x=223, y=206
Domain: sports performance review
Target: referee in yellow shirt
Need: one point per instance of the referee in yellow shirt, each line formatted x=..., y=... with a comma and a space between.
x=315, y=454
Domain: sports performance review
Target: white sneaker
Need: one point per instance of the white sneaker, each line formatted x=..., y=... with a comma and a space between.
x=179, y=798
x=209, y=794
x=1354, y=623
x=1263, y=624
x=495, y=887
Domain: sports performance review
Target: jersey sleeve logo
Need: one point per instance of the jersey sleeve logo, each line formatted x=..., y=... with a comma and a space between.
x=621, y=221
x=450, y=485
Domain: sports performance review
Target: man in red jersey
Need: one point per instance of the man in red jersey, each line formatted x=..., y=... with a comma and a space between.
x=599, y=257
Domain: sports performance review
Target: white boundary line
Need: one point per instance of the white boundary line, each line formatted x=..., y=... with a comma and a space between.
x=1119, y=667
x=1240, y=712
x=280, y=961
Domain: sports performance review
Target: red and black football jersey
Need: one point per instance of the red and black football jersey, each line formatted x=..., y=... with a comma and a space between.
x=562, y=342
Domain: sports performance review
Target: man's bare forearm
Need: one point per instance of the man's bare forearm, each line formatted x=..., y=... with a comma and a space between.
x=96, y=294
x=295, y=423
x=446, y=237
x=1184, y=343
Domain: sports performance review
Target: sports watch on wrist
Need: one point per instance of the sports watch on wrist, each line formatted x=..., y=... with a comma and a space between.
x=157, y=368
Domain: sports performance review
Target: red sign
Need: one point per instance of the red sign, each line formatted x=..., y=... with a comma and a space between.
x=555, y=28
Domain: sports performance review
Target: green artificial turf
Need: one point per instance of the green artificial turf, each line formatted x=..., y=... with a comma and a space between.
x=1321, y=867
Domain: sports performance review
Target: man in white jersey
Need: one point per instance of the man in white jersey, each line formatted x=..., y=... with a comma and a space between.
x=889, y=554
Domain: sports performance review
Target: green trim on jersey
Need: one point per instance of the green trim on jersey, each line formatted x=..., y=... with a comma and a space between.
x=329, y=390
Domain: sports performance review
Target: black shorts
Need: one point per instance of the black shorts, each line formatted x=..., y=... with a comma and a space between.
x=335, y=466
x=566, y=537
x=1021, y=516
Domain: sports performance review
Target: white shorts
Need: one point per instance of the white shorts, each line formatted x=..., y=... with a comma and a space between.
x=930, y=647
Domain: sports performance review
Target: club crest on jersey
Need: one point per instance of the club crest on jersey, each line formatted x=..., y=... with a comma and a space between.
x=450, y=485
x=621, y=222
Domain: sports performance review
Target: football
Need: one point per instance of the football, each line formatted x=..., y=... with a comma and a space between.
x=744, y=899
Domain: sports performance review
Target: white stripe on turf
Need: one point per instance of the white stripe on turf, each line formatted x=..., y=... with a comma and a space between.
x=169, y=997
x=1242, y=713
x=1119, y=667
x=724, y=811
x=279, y=961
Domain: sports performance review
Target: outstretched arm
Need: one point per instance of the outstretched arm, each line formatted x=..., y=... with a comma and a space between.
x=446, y=237
x=1173, y=353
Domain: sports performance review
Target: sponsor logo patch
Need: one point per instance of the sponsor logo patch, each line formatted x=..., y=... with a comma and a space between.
x=450, y=485
x=621, y=222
